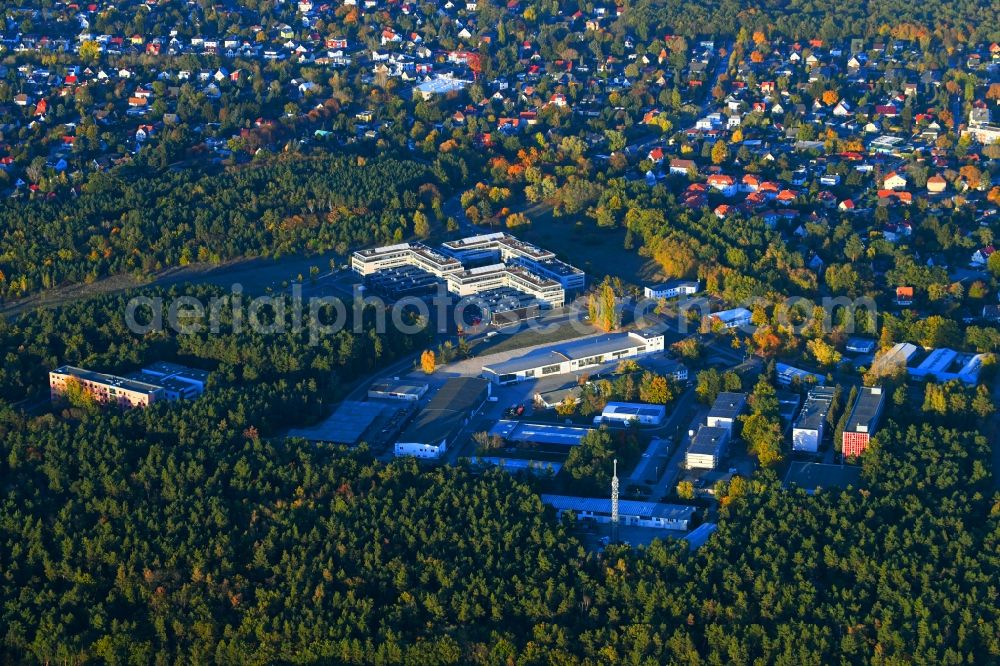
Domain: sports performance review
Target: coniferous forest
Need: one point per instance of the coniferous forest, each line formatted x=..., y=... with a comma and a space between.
x=141, y=223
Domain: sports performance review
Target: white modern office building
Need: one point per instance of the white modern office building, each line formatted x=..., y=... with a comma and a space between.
x=371, y=261
x=472, y=281
x=508, y=249
x=479, y=264
x=563, y=358
x=672, y=289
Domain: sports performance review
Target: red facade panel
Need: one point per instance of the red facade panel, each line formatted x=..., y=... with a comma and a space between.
x=855, y=443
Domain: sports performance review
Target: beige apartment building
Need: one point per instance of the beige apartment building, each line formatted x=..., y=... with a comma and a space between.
x=106, y=389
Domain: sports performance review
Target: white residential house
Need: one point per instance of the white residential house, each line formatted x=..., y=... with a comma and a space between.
x=982, y=255
x=722, y=183
x=894, y=181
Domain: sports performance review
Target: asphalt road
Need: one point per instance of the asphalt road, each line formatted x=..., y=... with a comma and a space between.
x=658, y=462
x=683, y=416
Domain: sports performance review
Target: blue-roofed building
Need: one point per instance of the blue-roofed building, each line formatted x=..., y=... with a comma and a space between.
x=521, y=432
x=514, y=465
x=699, y=535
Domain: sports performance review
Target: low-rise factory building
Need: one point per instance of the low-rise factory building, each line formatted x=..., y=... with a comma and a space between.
x=813, y=476
x=567, y=357
x=375, y=422
x=630, y=512
x=544, y=434
x=707, y=448
x=700, y=535
x=725, y=410
x=625, y=413
x=436, y=426
x=396, y=389
x=515, y=465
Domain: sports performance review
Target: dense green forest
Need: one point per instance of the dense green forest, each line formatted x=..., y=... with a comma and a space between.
x=189, y=532
x=94, y=334
x=140, y=224
x=156, y=536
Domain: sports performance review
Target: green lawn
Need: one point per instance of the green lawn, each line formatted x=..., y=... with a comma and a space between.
x=529, y=337
x=598, y=252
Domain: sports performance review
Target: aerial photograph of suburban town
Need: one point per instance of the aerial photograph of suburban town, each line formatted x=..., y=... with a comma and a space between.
x=500, y=332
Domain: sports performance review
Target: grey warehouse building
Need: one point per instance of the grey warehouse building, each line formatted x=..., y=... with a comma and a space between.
x=435, y=427
x=546, y=434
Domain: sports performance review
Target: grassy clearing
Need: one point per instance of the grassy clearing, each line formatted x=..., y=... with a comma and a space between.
x=599, y=252
x=529, y=337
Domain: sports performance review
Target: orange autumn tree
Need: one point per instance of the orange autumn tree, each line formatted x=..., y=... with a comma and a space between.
x=766, y=341
x=972, y=175
x=428, y=361
x=994, y=195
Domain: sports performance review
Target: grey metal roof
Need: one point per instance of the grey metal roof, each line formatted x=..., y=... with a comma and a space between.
x=518, y=464
x=535, y=359
x=167, y=368
x=699, y=535
x=539, y=433
x=810, y=475
x=566, y=351
x=446, y=411
x=401, y=387
x=708, y=441
x=866, y=410
x=634, y=409
x=816, y=408
x=728, y=405
x=345, y=426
